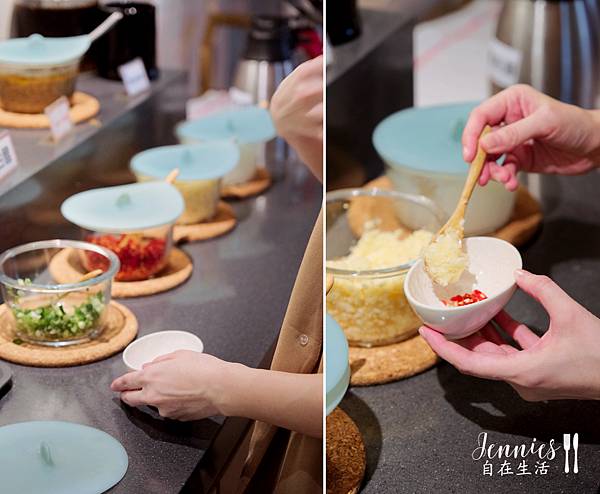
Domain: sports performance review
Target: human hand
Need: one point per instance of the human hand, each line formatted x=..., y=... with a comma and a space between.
x=297, y=111
x=183, y=385
x=562, y=364
x=538, y=134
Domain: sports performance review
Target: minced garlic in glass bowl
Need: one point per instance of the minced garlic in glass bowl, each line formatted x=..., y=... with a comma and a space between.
x=369, y=252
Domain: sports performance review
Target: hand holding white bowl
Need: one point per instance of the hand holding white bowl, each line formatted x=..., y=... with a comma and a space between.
x=562, y=364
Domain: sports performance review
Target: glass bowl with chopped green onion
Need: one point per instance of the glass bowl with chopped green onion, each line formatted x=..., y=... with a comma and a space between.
x=45, y=312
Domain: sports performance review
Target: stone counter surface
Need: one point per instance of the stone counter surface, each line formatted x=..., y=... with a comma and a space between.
x=420, y=432
x=235, y=299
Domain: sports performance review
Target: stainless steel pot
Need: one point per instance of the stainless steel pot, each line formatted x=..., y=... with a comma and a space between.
x=551, y=45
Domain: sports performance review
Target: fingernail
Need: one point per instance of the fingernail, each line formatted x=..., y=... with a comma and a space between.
x=465, y=152
x=489, y=142
x=519, y=273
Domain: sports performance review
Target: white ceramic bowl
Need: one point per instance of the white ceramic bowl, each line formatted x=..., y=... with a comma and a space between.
x=492, y=263
x=151, y=346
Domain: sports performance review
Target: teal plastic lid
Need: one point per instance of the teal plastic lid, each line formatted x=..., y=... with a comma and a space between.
x=59, y=458
x=337, y=365
x=125, y=208
x=38, y=50
x=424, y=139
x=204, y=161
x=246, y=124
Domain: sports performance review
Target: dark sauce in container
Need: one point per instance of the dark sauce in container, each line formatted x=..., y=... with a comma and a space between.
x=133, y=36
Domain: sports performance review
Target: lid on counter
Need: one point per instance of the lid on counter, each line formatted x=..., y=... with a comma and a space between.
x=37, y=50
x=204, y=161
x=337, y=373
x=59, y=458
x=124, y=208
x=247, y=124
x=424, y=139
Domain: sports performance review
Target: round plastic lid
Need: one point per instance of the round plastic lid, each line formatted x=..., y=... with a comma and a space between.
x=204, y=161
x=59, y=458
x=124, y=208
x=246, y=124
x=37, y=50
x=425, y=139
x=337, y=364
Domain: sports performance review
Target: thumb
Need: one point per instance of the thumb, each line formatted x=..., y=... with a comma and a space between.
x=545, y=291
x=508, y=137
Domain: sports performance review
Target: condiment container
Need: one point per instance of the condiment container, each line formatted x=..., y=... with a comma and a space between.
x=201, y=168
x=47, y=313
x=423, y=153
x=135, y=221
x=248, y=127
x=337, y=364
x=367, y=298
x=35, y=71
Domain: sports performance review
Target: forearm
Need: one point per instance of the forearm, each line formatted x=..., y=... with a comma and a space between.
x=292, y=401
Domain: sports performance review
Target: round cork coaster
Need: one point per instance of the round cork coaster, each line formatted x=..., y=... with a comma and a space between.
x=383, y=364
x=261, y=182
x=121, y=328
x=345, y=454
x=223, y=222
x=524, y=221
x=66, y=267
x=83, y=107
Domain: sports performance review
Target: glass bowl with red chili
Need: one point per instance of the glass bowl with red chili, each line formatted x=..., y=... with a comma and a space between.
x=142, y=254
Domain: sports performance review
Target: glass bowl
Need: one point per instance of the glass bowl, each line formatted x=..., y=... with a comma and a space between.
x=30, y=89
x=367, y=298
x=45, y=312
x=142, y=253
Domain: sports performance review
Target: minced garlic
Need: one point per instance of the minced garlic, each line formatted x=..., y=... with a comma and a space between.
x=374, y=311
x=444, y=258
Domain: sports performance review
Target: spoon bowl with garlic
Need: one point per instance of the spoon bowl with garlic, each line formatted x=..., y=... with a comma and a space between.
x=465, y=306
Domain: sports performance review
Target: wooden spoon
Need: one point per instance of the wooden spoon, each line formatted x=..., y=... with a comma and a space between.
x=455, y=222
x=85, y=277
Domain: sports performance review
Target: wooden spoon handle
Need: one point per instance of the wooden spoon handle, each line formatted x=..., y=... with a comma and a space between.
x=472, y=177
x=90, y=275
x=170, y=178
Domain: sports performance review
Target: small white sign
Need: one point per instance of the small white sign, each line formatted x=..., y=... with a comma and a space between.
x=135, y=77
x=8, y=156
x=60, y=119
x=504, y=63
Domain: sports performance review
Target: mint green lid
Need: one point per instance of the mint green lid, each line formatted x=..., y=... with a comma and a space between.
x=337, y=366
x=203, y=161
x=246, y=124
x=37, y=50
x=425, y=139
x=59, y=458
x=124, y=208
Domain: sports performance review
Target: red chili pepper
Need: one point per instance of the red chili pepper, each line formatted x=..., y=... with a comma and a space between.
x=465, y=299
x=140, y=257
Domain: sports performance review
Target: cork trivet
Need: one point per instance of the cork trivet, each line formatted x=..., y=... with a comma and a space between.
x=121, y=328
x=383, y=364
x=345, y=454
x=223, y=222
x=65, y=267
x=261, y=182
x=83, y=107
x=524, y=221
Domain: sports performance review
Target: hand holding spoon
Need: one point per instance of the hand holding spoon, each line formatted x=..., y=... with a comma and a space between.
x=444, y=258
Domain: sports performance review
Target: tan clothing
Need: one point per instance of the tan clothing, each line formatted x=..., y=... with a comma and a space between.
x=275, y=459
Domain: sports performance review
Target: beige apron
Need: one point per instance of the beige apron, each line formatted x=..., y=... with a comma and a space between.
x=272, y=459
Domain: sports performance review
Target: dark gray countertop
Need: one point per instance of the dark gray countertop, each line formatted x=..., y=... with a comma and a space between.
x=420, y=432
x=235, y=299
